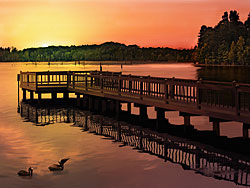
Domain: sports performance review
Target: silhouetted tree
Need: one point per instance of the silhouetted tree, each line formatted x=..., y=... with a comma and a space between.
x=234, y=16
x=225, y=17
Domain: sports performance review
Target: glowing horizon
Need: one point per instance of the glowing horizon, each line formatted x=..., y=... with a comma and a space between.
x=146, y=23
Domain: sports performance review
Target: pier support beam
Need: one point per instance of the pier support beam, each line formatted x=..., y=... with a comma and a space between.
x=54, y=95
x=216, y=125
x=24, y=95
x=91, y=103
x=111, y=106
x=39, y=97
x=104, y=106
x=129, y=108
x=245, y=129
x=85, y=102
x=31, y=95
x=117, y=109
x=143, y=115
x=187, y=118
x=97, y=105
x=160, y=118
x=66, y=95
x=78, y=100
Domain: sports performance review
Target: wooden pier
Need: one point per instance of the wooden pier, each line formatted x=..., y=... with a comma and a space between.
x=220, y=101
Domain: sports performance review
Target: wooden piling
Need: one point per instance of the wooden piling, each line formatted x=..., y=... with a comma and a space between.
x=24, y=94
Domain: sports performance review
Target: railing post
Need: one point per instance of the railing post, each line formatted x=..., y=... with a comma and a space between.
x=48, y=77
x=148, y=85
x=236, y=97
x=59, y=75
x=24, y=94
x=68, y=79
x=101, y=82
x=28, y=79
x=119, y=85
x=198, y=93
x=36, y=80
x=172, y=85
x=129, y=84
x=91, y=81
x=73, y=80
x=141, y=88
x=86, y=82
x=166, y=91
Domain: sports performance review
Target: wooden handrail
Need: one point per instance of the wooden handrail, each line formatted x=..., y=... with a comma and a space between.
x=164, y=90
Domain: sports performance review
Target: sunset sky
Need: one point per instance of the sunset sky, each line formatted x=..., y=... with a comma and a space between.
x=171, y=23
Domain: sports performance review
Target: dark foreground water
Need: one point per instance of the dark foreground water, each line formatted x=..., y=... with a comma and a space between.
x=95, y=160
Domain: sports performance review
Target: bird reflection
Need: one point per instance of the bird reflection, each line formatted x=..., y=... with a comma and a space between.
x=58, y=167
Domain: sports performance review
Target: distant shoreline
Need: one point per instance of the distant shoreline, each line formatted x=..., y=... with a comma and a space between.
x=219, y=65
x=103, y=62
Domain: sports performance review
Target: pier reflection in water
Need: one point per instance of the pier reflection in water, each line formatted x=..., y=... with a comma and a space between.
x=191, y=155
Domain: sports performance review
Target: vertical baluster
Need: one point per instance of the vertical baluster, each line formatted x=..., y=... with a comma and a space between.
x=184, y=93
x=36, y=81
x=154, y=89
x=194, y=94
x=166, y=91
x=119, y=85
x=91, y=81
x=177, y=92
x=86, y=81
x=198, y=93
x=236, y=97
x=136, y=87
x=158, y=90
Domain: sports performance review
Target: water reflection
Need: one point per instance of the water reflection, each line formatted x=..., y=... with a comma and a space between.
x=204, y=159
x=225, y=74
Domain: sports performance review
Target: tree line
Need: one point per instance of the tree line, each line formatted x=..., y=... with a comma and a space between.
x=109, y=51
x=227, y=43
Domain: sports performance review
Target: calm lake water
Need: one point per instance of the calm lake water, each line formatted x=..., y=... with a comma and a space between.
x=95, y=161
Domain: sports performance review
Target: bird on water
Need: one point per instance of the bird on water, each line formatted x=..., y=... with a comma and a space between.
x=26, y=173
x=58, y=167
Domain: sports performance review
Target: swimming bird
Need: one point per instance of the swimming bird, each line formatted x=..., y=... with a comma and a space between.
x=26, y=173
x=57, y=167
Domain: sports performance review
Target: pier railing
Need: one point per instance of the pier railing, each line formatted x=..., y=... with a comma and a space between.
x=209, y=94
x=223, y=97
x=38, y=80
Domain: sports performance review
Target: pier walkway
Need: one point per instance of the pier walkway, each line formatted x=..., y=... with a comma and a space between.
x=220, y=101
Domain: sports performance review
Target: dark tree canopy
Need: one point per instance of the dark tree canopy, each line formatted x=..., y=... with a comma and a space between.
x=109, y=51
x=226, y=43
